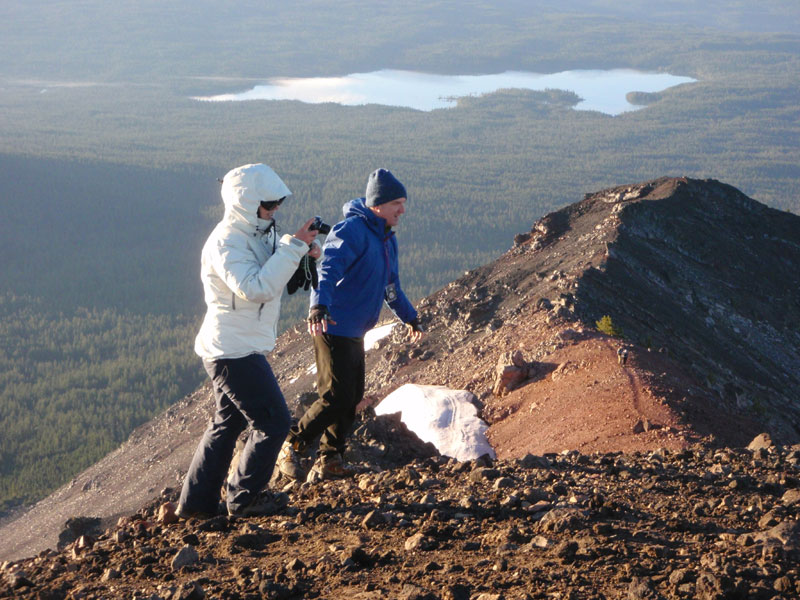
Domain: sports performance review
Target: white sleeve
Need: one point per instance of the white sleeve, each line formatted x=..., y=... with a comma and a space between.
x=235, y=262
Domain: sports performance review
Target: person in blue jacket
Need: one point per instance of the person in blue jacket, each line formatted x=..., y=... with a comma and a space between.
x=358, y=272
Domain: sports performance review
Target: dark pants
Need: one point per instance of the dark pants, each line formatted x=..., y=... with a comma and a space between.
x=246, y=393
x=340, y=384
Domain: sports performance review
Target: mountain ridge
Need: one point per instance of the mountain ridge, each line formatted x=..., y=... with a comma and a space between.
x=541, y=298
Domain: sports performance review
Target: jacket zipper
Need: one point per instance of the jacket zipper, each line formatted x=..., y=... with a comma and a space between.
x=274, y=244
x=386, y=257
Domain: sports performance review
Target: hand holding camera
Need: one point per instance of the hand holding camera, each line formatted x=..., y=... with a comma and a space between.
x=320, y=225
x=306, y=274
x=311, y=228
x=306, y=233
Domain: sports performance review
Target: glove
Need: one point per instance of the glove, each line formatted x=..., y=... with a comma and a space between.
x=296, y=281
x=312, y=266
x=416, y=325
x=304, y=276
x=318, y=313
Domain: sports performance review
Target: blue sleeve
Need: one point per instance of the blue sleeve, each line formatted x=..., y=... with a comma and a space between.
x=338, y=253
x=401, y=306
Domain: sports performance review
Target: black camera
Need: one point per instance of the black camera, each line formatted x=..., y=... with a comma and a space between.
x=320, y=225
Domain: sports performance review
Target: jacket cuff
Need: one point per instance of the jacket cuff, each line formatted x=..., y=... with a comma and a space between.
x=287, y=238
x=297, y=246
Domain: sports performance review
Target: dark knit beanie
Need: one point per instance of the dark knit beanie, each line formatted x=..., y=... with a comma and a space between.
x=382, y=187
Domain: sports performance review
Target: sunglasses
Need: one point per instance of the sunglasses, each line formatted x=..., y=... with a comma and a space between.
x=272, y=204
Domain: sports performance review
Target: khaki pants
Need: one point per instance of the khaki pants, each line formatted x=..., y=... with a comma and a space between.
x=340, y=384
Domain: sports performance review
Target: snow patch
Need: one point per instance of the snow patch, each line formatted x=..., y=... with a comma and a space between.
x=444, y=417
x=370, y=339
x=376, y=334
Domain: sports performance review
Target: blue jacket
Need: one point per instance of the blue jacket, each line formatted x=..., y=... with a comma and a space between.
x=358, y=263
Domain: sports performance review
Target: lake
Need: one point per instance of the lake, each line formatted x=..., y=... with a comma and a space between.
x=599, y=90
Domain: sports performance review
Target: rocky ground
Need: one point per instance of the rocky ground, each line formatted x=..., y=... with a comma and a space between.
x=698, y=523
x=614, y=480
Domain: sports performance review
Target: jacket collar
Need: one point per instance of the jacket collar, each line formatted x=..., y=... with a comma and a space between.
x=358, y=208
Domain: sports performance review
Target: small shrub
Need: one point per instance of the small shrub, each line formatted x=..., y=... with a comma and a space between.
x=606, y=325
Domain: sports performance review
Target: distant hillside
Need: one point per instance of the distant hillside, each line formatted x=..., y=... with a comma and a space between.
x=49, y=40
x=658, y=258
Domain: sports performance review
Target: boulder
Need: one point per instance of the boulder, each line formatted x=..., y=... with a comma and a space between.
x=761, y=441
x=511, y=372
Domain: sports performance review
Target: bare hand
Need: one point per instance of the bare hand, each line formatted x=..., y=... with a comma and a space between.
x=318, y=328
x=305, y=234
x=415, y=335
x=318, y=319
x=315, y=251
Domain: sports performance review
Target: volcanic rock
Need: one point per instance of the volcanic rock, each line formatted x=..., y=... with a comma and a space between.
x=701, y=283
x=593, y=534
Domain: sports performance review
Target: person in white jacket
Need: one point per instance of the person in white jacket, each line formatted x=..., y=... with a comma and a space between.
x=244, y=269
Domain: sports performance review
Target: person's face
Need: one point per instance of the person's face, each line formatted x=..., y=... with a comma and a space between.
x=267, y=210
x=391, y=211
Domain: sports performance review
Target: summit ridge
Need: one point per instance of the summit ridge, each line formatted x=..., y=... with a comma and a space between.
x=700, y=283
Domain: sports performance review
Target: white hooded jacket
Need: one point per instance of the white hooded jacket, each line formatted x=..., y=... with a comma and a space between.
x=244, y=268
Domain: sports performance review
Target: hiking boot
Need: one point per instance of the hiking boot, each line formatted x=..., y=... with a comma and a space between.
x=265, y=504
x=333, y=467
x=289, y=463
x=185, y=513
